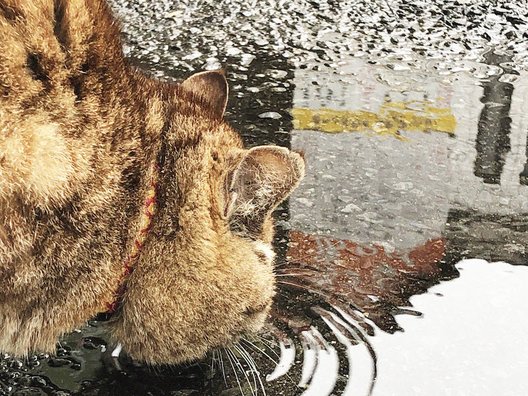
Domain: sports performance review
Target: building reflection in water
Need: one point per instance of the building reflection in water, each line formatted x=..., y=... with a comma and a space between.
x=404, y=180
x=385, y=212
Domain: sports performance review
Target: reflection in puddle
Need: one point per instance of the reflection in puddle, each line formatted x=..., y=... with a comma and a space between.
x=391, y=118
x=367, y=278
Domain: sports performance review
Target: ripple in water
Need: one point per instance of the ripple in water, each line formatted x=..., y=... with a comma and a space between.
x=464, y=323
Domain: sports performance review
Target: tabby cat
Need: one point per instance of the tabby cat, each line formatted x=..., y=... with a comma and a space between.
x=120, y=192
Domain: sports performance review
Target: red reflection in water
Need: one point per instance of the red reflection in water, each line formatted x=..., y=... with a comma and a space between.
x=366, y=278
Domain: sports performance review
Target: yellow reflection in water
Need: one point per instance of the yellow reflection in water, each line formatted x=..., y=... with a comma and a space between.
x=389, y=120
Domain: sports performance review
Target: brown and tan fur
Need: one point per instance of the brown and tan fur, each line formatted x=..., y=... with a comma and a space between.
x=79, y=130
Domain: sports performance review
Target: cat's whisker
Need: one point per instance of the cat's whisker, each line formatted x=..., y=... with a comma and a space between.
x=244, y=371
x=234, y=371
x=255, y=347
x=222, y=366
x=299, y=286
x=248, y=361
x=241, y=368
x=268, y=344
x=294, y=270
x=259, y=376
x=213, y=361
x=283, y=263
x=253, y=365
x=293, y=274
x=300, y=267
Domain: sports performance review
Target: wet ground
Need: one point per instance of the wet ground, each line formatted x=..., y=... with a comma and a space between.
x=413, y=120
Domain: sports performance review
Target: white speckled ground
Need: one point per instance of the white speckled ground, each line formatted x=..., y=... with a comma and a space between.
x=203, y=34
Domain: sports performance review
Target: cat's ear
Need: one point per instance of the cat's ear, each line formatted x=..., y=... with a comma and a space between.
x=263, y=179
x=212, y=88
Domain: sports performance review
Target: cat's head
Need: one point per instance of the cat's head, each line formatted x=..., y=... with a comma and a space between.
x=206, y=278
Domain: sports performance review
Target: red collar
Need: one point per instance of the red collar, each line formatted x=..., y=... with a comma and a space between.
x=144, y=226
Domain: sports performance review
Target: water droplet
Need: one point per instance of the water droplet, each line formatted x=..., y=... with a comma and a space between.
x=270, y=114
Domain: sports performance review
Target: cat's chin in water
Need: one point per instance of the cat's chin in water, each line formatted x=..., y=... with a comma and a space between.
x=219, y=315
x=193, y=353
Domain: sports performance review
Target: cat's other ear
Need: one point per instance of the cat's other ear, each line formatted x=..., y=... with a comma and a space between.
x=264, y=178
x=212, y=88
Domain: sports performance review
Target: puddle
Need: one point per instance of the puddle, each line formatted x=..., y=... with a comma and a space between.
x=417, y=161
x=469, y=341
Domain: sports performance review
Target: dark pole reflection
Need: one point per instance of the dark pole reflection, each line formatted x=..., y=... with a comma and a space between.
x=523, y=176
x=493, y=138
